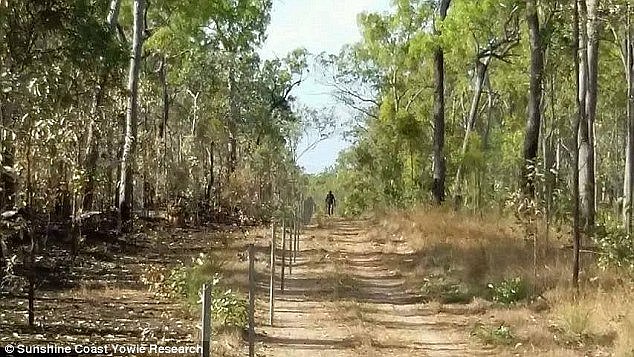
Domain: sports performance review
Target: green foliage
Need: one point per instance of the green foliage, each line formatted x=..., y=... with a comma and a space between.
x=445, y=290
x=500, y=335
x=185, y=282
x=614, y=245
x=509, y=291
x=227, y=307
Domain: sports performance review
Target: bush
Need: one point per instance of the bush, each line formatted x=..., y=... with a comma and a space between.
x=445, y=291
x=500, y=335
x=227, y=307
x=615, y=246
x=185, y=282
x=509, y=291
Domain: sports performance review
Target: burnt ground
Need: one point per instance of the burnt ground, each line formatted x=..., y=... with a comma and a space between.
x=102, y=299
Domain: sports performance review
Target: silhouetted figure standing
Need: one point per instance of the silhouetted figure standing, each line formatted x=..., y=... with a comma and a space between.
x=330, y=203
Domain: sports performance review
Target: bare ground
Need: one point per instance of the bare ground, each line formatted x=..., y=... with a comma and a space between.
x=102, y=299
x=344, y=298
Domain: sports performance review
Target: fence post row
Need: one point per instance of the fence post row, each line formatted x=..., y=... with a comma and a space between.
x=293, y=247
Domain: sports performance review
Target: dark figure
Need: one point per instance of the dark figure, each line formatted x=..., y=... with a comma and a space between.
x=330, y=203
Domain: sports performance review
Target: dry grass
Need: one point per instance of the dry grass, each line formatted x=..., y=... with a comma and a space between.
x=228, y=343
x=460, y=252
x=624, y=345
x=473, y=249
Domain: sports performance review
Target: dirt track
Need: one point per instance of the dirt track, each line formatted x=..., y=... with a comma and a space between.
x=344, y=299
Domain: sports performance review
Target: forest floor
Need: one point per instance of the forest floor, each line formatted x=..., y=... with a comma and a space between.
x=345, y=298
x=430, y=282
x=404, y=284
x=104, y=300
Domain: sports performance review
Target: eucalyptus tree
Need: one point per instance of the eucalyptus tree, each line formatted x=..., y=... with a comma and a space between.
x=48, y=59
x=438, y=189
x=491, y=40
x=533, y=122
x=589, y=57
x=126, y=178
x=93, y=138
x=239, y=26
x=627, y=56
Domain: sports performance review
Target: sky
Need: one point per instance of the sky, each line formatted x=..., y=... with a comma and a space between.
x=317, y=25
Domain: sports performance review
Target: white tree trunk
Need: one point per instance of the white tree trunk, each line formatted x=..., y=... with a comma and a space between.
x=591, y=105
x=129, y=144
x=480, y=73
x=585, y=151
x=629, y=153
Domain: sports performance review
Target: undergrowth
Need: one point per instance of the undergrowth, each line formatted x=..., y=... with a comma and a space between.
x=457, y=257
x=228, y=308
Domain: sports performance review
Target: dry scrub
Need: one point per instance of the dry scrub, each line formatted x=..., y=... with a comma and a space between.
x=454, y=257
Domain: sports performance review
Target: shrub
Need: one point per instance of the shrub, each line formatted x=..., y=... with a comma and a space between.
x=615, y=246
x=509, y=291
x=227, y=307
x=185, y=282
x=500, y=335
x=445, y=291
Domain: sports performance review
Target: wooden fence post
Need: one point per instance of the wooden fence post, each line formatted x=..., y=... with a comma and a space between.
x=272, y=285
x=206, y=321
x=296, y=240
x=283, y=253
x=251, y=301
x=290, y=248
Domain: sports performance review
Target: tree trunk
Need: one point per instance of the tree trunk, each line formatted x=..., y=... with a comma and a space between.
x=588, y=56
x=438, y=189
x=210, y=179
x=232, y=122
x=591, y=109
x=129, y=144
x=92, y=144
x=166, y=98
x=629, y=157
x=481, y=71
x=531, y=140
x=575, y=162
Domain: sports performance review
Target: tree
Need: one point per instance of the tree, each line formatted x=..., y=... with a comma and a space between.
x=438, y=188
x=628, y=174
x=498, y=43
x=577, y=119
x=589, y=47
x=126, y=179
x=93, y=137
x=531, y=138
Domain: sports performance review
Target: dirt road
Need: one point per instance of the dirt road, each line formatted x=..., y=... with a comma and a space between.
x=344, y=298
